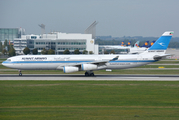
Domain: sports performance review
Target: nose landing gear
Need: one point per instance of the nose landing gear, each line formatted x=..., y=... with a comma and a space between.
x=20, y=74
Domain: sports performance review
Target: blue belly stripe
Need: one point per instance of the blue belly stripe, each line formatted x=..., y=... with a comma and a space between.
x=21, y=62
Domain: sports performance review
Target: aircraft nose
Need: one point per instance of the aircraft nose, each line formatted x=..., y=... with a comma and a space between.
x=3, y=63
x=6, y=64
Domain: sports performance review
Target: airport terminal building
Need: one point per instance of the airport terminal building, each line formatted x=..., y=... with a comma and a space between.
x=56, y=41
x=10, y=34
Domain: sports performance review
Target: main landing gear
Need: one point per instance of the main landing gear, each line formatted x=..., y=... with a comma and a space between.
x=89, y=73
x=20, y=74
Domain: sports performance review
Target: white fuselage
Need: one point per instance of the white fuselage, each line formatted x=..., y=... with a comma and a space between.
x=57, y=62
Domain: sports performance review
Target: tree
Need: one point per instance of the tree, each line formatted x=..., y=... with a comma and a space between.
x=66, y=51
x=26, y=51
x=51, y=52
x=5, y=43
x=1, y=46
x=35, y=51
x=12, y=51
x=106, y=52
x=85, y=52
x=76, y=51
x=44, y=51
x=112, y=52
x=91, y=52
x=4, y=51
x=9, y=47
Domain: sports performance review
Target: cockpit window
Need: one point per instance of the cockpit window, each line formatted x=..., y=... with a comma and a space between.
x=8, y=60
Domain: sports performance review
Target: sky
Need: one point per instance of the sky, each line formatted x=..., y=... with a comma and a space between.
x=118, y=18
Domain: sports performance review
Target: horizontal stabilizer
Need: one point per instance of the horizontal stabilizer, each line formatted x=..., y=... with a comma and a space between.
x=116, y=58
x=159, y=57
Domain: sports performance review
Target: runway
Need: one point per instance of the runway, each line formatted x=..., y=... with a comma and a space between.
x=96, y=77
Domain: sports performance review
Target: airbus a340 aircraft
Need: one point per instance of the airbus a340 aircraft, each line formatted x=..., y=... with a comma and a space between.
x=89, y=63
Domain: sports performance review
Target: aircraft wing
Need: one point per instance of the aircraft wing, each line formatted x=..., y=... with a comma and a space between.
x=158, y=57
x=100, y=62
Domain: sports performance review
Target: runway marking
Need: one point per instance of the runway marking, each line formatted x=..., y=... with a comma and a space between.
x=80, y=77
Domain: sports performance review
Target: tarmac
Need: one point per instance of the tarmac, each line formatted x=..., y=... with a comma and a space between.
x=98, y=77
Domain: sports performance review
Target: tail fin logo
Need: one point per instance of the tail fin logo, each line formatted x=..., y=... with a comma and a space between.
x=171, y=33
x=162, y=44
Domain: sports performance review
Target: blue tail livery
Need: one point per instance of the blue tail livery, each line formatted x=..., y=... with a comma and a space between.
x=163, y=42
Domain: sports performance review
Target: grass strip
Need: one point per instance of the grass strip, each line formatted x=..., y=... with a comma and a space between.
x=79, y=100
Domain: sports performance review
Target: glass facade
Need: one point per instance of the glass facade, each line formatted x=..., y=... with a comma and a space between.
x=72, y=48
x=9, y=34
x=61, y=45
x=72, y=43
x=30, y=44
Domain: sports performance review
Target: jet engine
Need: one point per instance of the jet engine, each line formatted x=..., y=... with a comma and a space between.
x=87, y=67
x=69, y=69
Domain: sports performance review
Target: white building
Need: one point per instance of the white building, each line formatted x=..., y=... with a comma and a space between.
x=56, y=41
x=21, y=43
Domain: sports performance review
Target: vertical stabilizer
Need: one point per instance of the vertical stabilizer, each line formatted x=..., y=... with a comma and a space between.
x=128, y=43
x=136, y=44
x=146, y=44
x=122, y=43
x=152, y=43
x=163, y=42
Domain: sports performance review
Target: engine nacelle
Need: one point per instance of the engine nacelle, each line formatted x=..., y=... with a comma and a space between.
x=87, y=67
x=69, y=69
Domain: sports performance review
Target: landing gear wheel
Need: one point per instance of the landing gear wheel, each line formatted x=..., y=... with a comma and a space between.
x=92, y=74
x=20, y=74
x=89, y=73
x=86, y=74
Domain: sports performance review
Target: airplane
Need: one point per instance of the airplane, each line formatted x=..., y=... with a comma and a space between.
x=129, y=43
x=146, y=44
x=140, y=49
x=132, y=50
x=90, y=63
x=136, y=44
x=121, y=46
x=122, y=43
x=152, y=43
